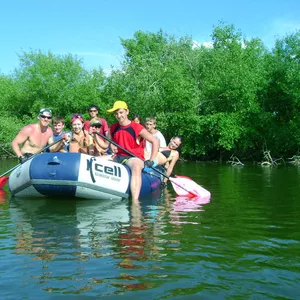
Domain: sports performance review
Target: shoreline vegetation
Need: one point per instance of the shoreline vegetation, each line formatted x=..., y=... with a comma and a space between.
x=233, y=101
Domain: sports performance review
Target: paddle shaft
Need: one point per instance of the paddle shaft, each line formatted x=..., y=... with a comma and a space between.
x=131, y=154
x=32, y=156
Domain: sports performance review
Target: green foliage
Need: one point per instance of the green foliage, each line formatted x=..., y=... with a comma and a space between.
x=282, y=95
x=233, y=97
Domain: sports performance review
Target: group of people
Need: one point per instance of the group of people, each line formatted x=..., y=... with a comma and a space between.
x=127, y=141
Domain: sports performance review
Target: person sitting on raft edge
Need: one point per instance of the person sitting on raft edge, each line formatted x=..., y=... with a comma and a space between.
x=169, y=155
x=127, y=134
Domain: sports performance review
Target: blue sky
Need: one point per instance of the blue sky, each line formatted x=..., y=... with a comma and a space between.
x=91, y=29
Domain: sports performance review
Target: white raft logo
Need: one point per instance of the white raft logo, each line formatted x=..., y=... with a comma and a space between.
x=108, y=172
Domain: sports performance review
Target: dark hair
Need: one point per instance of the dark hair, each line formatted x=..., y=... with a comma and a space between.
x=137, y=116
x=58, y=119
x=177, y=136
x=93, y=106
x=180, y=138
x=178, y=149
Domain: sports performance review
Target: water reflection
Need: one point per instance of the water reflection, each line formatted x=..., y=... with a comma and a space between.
x=44, y=229
x=190, y=204
x=74, y=246
x=245, y=241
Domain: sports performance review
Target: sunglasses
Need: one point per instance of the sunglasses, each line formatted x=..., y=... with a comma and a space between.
x=45, y=117
x=92, y=110
x=77, y=116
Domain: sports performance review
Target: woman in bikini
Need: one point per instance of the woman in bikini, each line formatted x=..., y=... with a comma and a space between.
x=169, y=155
x=81, y=141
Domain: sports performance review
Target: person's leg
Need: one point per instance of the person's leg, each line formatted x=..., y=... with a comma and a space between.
x=136, y=165
x=106, y=157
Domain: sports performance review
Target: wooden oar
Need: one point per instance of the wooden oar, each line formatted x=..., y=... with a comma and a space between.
x=176, y=181
x=3, y=179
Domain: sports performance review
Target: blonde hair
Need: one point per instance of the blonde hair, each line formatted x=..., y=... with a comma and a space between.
x=151, y=119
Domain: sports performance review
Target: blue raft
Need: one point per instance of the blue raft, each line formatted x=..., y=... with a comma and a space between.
x=77, y=175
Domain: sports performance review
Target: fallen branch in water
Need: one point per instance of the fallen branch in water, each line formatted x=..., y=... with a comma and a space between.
x=269, y=161
x=234, y=161
x=295, y=160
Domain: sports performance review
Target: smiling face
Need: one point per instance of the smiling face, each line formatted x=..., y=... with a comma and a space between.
x=45, y=119
x=122, y=116
x=77, y=125
x=58, y=127
x=174, y=143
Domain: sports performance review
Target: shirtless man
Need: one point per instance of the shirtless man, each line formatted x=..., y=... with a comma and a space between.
x=33, y=137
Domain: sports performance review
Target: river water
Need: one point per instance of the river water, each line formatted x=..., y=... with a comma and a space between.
x=243, y=244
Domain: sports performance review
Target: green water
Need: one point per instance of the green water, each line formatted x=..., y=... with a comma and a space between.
x=243, y=244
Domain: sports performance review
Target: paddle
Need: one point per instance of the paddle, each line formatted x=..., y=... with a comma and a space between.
x=174, y=181
x=189, y=184
x=3, y=179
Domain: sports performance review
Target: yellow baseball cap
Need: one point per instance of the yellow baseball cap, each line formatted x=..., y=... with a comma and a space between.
x=118, y=105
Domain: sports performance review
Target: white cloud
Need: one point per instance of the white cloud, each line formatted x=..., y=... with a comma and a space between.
x=208, y=44
x=277, y=29
x=196, y=44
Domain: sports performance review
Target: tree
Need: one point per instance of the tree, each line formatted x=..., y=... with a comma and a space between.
x=282, y=96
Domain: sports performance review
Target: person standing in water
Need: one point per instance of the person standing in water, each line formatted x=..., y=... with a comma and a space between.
x=127, y=134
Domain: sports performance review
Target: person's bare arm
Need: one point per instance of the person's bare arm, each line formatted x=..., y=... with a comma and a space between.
x=59, y=145
x=150, y=138
x=113, y=148
x=172, y=163
x=20, y=139
x=100, y=142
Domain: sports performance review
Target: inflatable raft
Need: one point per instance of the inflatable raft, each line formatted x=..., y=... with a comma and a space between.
x=77, y=175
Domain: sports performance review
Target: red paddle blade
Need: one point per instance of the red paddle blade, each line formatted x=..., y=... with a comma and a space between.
x=186, y=187
x=3, y=180
x=2, y=196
